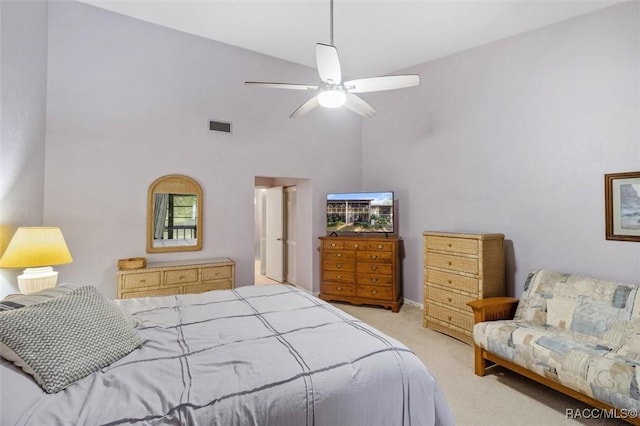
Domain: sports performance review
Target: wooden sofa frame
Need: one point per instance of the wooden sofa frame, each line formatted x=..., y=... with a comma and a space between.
x=504, y=308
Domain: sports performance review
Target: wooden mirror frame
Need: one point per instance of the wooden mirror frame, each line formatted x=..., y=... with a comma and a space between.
x=174, y=184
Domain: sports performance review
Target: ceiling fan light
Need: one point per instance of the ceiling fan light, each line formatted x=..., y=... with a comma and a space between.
x=331, y=98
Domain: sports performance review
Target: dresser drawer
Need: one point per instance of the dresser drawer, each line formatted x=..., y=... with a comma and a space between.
x=339, y=289
x=340, y=255
x=339, y=266
x=355, y=245
x=464, y=335
x=375, y=268
x=333, y=245
x=456, y=245
x=201, y=288
x=181, y=276
x=458, y=319
x=340, y=277
x=453, y=263
x=454, y=281
x=145, y=279
x=375, y=256
x=380, y=246
x=458, y=301
x=216, y=273
x=151, y=293
x=374, y=292
x=372, y=279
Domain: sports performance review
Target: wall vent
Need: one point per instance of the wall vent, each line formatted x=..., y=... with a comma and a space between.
x=220, y=126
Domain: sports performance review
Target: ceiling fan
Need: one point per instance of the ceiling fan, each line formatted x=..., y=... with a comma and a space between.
x=332, y=92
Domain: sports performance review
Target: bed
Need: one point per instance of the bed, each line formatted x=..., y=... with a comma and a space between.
x=267, y=355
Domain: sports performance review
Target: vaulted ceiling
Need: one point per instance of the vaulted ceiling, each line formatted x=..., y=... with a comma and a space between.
x=373, y=37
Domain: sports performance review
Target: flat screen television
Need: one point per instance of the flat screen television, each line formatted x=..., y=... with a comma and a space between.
x=361, y=212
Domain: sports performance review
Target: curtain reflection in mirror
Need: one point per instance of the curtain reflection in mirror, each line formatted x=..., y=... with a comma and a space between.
x=161, y=204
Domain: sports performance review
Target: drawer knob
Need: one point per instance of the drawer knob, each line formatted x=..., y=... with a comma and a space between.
x=339, y=277
x=339, y=265
x=379, y=246
x=449, y=299
x=449, y=262
x=333, y=244
x=449, y=317
x=356, y=245
x=449, y=244
x=143, y=281
x=181, y=277
x=374, y=268
x=373, y=280
x=449, y=281
x=374, y=256
x=339, y=255
x=374, y=292
x=339, y=288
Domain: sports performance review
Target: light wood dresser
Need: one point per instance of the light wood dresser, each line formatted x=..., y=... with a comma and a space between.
x=364, y=270
x=459, y=268
x=166, y=278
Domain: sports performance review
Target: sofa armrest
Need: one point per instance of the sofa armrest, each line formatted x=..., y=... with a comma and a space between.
x=493, y=308
x=490, y=309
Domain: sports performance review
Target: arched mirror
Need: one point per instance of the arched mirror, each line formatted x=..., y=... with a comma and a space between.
x=174, y=214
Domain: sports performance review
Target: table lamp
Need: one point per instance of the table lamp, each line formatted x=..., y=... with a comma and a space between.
x=36, y=249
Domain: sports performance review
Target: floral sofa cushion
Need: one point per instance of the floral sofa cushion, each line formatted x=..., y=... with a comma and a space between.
x=581, y=332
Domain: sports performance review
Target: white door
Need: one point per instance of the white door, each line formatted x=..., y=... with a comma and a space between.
x=275, y=233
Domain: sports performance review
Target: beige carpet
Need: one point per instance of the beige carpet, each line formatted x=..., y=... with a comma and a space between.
x=260, y=279
x=499, y=398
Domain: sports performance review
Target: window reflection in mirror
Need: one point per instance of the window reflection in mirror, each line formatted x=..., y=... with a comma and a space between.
x=174, y=218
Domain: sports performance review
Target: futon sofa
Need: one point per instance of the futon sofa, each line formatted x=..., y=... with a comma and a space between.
x=578, y=335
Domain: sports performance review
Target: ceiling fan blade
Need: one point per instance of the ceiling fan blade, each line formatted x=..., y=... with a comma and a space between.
x=280, y=85
x=328, y=63
x=387, y=82
x=305, y=107
x=359, y=106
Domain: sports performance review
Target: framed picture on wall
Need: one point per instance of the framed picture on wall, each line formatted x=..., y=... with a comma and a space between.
x=622, y=206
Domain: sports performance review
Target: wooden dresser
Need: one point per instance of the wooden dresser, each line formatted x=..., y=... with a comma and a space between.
x=361, y=270
x=166, y=278
x=459, y=268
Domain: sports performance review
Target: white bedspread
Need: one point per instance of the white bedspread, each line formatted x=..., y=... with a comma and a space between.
x=269, y=355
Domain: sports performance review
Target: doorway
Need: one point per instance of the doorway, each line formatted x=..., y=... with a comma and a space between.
x=275, y=231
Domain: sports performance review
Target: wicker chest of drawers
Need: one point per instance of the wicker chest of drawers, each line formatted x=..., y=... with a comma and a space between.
x=167, y=278
x=362, y=270
x=459, y=268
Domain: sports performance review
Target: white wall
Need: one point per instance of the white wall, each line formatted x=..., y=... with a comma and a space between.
x=515, y=137
x=510, y=137
x=129, y=101
x=23, y=93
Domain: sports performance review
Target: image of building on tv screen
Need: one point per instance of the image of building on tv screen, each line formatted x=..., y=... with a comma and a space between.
x=360, y=212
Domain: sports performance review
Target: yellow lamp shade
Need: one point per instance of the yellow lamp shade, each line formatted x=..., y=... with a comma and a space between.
x=36, y=249
x=37, y=246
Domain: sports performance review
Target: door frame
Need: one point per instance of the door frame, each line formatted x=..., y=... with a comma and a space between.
x=301, y=260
